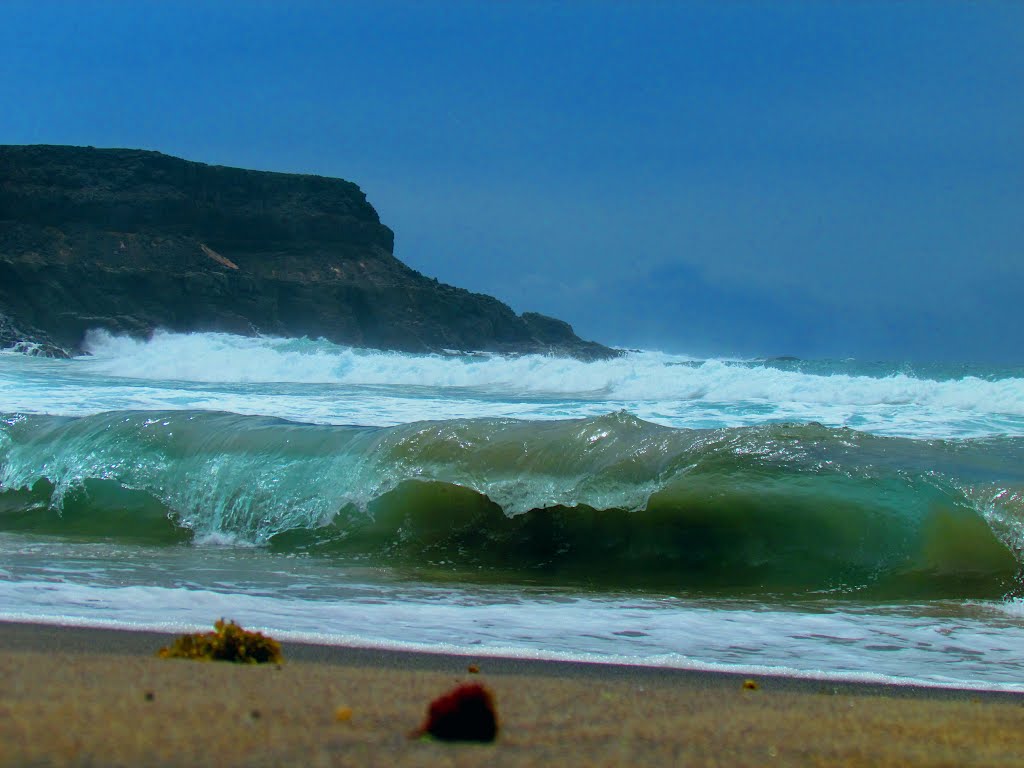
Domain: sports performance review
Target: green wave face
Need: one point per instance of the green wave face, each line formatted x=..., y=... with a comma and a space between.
x=610, y=501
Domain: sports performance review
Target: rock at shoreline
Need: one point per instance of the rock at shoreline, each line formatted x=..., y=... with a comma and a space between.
x=130, y=241
x=27, y=340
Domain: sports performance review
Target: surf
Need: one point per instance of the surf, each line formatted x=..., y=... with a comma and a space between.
x=315, y=381
x=609, y=500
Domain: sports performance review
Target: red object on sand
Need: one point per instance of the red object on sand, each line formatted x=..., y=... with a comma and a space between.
x=465, y=713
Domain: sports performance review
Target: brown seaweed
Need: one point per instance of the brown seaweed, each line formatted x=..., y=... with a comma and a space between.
x=228, y=642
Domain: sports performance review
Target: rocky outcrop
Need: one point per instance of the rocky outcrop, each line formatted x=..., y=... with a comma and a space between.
x=131, y=241
x=27, y=340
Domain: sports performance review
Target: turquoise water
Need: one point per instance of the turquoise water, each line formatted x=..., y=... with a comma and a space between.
x=836, y=519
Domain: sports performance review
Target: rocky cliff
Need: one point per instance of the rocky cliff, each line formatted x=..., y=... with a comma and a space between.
x=130, y=241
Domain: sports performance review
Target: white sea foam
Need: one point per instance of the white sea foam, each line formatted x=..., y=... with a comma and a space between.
x=670, y=389
x=223, y=358
x=319, y=382
x=885, y=646
x=635, y=376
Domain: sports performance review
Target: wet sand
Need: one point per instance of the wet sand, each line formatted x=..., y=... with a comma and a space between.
x=87, y=697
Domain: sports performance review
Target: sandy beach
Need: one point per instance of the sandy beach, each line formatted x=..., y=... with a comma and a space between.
x=88, y=697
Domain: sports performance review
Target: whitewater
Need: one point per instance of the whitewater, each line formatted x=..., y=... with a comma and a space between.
x=318, y=382
x=838, y=519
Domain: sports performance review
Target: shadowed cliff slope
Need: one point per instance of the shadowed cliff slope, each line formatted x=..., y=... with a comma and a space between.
x=130, y=241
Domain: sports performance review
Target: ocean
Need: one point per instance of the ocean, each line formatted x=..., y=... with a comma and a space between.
x=832, y=519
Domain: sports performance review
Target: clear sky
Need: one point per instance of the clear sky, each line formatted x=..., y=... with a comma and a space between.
x=823, y=179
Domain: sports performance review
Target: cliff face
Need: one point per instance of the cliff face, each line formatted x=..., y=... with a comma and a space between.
x=130, y=241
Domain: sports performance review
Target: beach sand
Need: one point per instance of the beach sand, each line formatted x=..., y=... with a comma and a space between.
x=87, y=697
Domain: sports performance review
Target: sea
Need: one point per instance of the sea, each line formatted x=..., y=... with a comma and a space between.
x=831, y=519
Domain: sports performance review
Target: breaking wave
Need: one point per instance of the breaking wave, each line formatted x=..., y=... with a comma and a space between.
x=611, y=499
x=211, y=357
x=308, y=380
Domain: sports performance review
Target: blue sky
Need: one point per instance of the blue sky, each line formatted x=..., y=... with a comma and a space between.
x=757, y=178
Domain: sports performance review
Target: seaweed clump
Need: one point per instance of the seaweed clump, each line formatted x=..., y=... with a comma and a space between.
x=228, y=642
x=466, y=713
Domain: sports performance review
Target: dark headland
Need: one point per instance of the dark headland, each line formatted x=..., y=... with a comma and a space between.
x=132, y=241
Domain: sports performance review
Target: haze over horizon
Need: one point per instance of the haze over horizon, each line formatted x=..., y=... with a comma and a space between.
x=804, y=178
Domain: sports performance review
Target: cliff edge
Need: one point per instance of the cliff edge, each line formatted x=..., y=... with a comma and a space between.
x=131, y=241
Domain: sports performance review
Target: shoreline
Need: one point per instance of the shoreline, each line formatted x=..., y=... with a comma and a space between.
x=83, y=696
x=59, y=638
x=329, y=649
